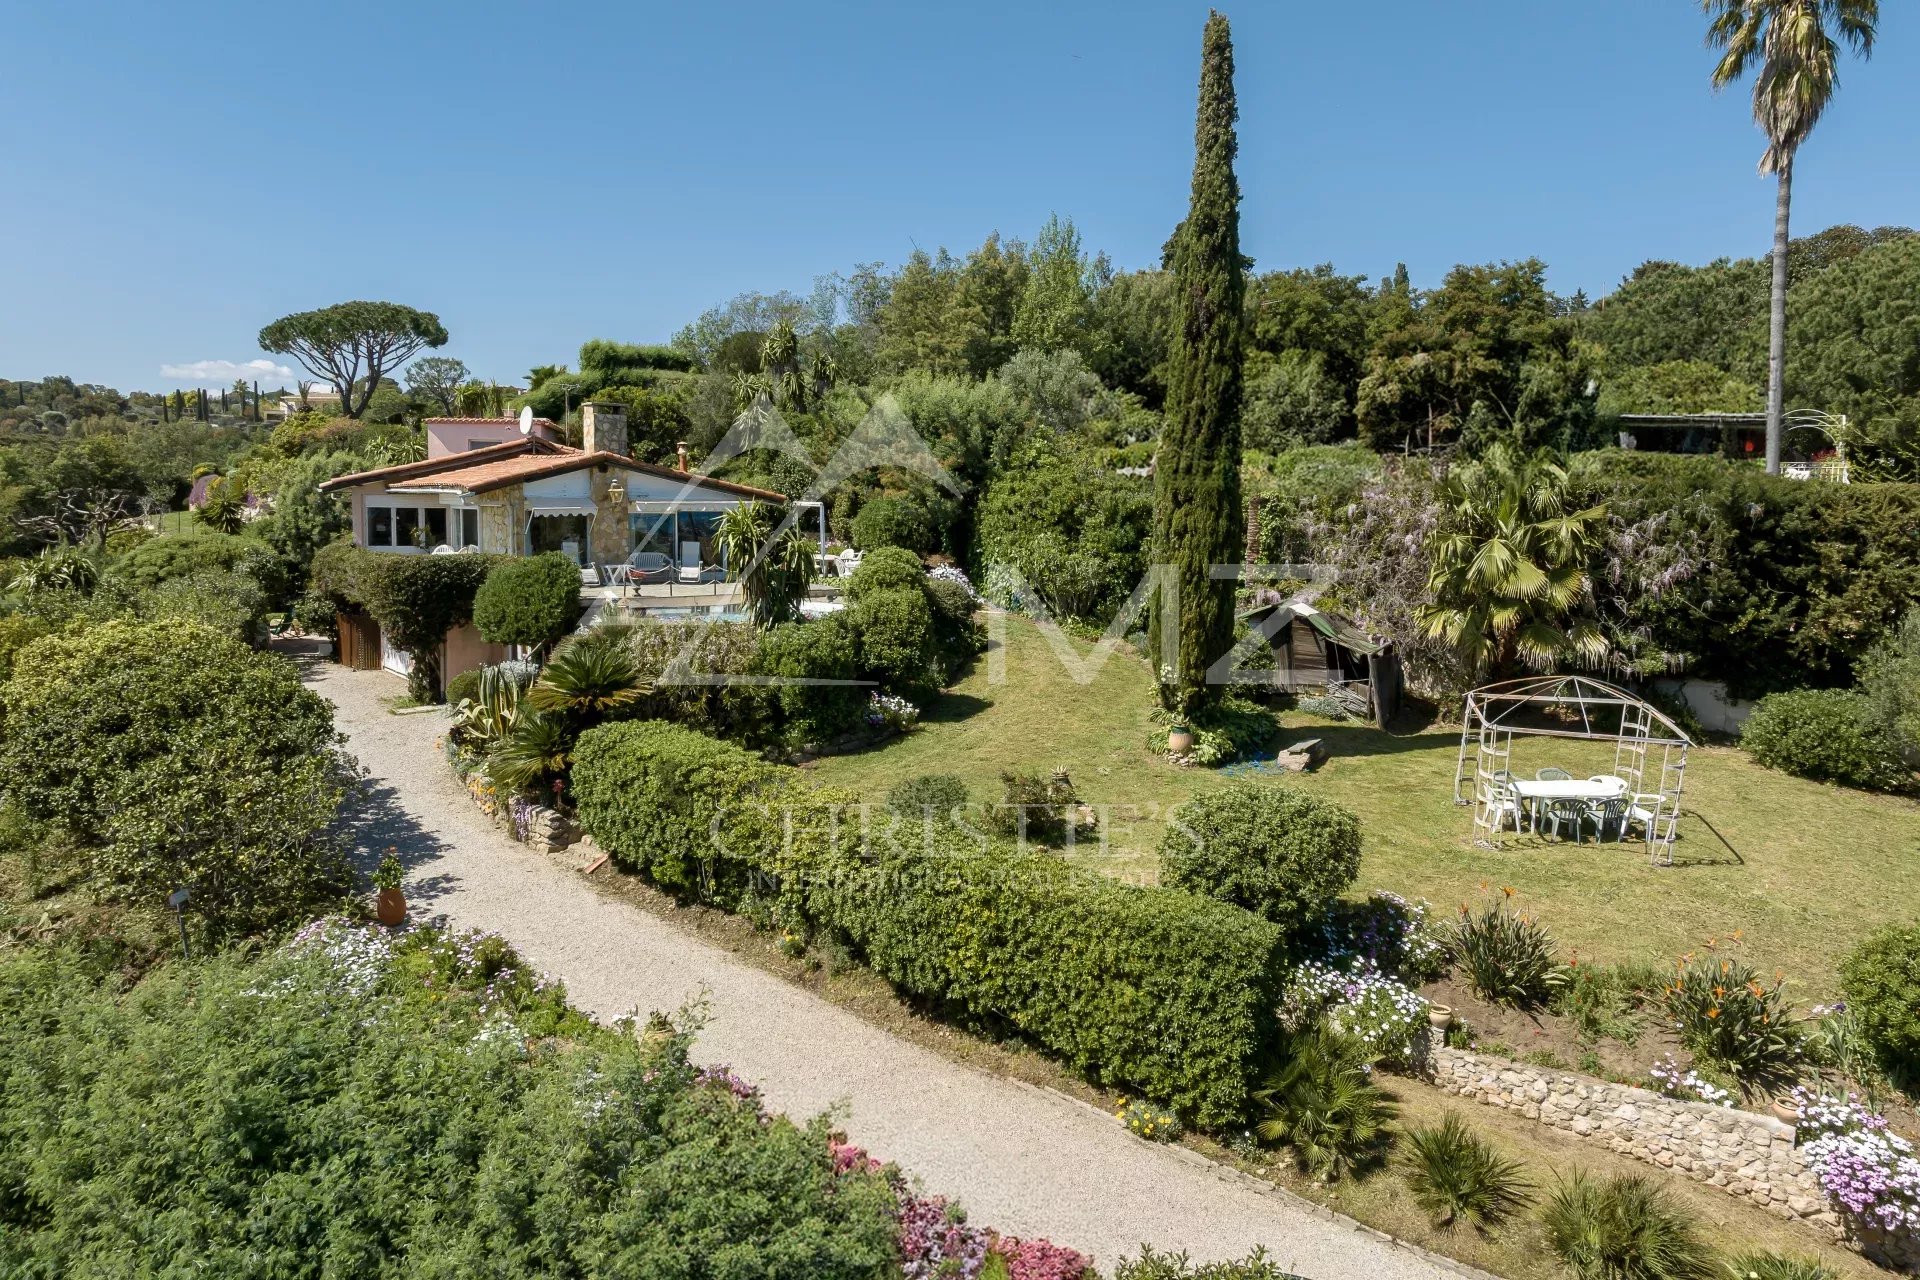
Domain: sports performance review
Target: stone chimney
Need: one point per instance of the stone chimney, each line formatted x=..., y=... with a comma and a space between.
x=683, y=456
x=603, y=426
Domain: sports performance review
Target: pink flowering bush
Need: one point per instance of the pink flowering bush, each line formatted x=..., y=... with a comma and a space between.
x=936, y=1241
x=1041, y=1260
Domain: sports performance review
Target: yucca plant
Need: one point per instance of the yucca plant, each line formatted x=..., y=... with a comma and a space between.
x=587, y=681
x=1506, y=955
x=1321, y=1100
x=774, y=572
x=1623, y=1228
x=1455, y=1173
x=1778, y=1266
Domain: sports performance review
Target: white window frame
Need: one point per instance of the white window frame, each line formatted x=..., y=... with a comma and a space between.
x=394, y=506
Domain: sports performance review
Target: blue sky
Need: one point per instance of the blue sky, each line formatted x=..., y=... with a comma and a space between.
x=175, y=176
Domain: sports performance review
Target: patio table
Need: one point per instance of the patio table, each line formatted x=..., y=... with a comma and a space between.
x=1534, y=793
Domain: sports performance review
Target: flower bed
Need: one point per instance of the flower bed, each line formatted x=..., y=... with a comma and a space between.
x=1870, y=1173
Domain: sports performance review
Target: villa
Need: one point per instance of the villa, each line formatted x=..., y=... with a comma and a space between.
x=488, y=485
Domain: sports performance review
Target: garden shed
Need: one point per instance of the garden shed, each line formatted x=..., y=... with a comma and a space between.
x=1315, y=650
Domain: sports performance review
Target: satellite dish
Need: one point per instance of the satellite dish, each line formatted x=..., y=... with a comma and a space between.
x=526, y=420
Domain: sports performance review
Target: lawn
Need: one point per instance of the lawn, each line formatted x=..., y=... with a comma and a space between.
x=1802, y=870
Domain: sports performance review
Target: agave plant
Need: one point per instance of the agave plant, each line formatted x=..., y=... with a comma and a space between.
x=1323, y=1103
x=58, y=569
x=588, y=680
x=489, y=715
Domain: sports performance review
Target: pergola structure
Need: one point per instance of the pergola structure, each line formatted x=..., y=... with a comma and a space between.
x=1582, y=708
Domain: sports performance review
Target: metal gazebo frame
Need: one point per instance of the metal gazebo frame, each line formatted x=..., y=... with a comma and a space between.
x=1492, y=721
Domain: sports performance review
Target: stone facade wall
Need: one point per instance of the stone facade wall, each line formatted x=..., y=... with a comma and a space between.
x=1749, y=1156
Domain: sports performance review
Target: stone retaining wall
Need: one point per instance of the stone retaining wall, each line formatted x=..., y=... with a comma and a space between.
x=1749, y=1156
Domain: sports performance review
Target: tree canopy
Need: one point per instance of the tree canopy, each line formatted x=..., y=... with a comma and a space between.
x=354, y=345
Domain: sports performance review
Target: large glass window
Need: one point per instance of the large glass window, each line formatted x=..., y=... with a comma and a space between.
x=565, y=533
x=696, y=547
x=653, y=531
x=379, y=526
x=468, y=527
x=436, y=526
x=406, y=526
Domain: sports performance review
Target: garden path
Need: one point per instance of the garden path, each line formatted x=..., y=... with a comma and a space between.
x=1025, y=1160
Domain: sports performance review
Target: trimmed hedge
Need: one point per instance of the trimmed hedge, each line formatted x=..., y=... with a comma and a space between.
x=898, y=648
x=887, y=569
x=415, y=599
x=825, y=649
x=528, y=600
x=1829, y=735
x=893, y=522
x=1157, y=989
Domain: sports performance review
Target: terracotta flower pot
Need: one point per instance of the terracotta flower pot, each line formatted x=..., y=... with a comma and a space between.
x=1440, y=1016
x=1785, y=1108
x=390, y=907
x=1180, y=741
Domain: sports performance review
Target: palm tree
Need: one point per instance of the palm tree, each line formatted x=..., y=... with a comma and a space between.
x=588, y=680
x=773, y=572
x=1508, y=564
x=1791, y=42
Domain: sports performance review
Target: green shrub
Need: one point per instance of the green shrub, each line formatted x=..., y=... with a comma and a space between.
x=957, y=636
x=893, y=522
x=1829, y=735
x=1068, y=528
x=1624, y=1228
x=1321, y=1100
x=162, y=559
x=17, y=631
x=1890, y=681
x=897, y=650
x=1506, y=955
x=1282, y=853
x=415, y=600
x=528, y=600
x=1455, y=1173
x=463, y=686
x=932, y=795
x=691, y=666
x=826, y=649
x=1176, y=1266
x=1155, y=989
x=1032, y=807
x=228, y=601
x=1727, y=1016
x=887, y=569
x=1778, y=1266
x=419, y=1106
x=179, y=756
x=1881, y=978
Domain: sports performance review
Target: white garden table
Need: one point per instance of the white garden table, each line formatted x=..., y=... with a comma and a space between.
x=1534, y=792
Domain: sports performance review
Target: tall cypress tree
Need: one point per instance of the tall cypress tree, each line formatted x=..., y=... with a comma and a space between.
x=1196, y=490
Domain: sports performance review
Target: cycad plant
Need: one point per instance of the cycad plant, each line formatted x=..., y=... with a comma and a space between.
x=536, y=751
x=1321, y=1100
x=773, y=571
x=1507, y=566
x=1455, y=1173
x=586, y=681
x=1624, y=1228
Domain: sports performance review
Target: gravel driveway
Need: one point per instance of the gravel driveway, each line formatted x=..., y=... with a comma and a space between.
x=1025, y=1160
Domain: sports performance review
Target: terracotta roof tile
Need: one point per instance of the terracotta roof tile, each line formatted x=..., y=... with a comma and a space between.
x=498, y=473
x=450, y=462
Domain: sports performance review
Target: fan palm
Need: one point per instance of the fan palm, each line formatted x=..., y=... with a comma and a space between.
x=1791, y=45
x=537, y=748
x=1507, y=567
x=1323, y=1103
x=772, y=560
